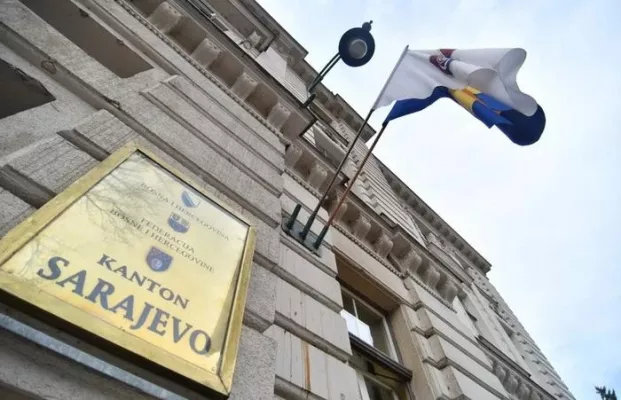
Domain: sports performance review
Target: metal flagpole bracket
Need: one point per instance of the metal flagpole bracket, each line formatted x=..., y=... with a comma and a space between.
x=356, y=48
x=294, y=228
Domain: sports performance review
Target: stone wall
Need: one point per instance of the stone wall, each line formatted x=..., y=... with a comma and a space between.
x=186, y=119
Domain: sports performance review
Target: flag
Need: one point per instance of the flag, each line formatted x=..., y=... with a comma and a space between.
x=482, y=81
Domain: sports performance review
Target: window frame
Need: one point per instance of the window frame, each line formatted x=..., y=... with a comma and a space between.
x=392, y=349
x=362, y=387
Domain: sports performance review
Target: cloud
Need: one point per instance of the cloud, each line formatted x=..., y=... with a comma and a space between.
x=547, y=216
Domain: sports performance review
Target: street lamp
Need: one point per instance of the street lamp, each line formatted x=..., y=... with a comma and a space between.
x=356, y=48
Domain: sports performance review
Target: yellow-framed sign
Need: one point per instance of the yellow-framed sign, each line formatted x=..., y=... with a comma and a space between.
x=134, y=254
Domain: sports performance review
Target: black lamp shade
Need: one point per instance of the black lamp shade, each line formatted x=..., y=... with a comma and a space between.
x=356, y=47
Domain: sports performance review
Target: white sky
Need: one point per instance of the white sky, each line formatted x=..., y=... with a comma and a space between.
x=547, y=216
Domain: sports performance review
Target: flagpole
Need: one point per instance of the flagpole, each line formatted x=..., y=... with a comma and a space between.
x=350, y=185
x=405, y=50
x=313, y=215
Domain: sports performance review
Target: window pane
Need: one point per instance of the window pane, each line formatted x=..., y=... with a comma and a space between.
x=377, y=392
x=348, y=304
x=351, y=321
x=377, y=330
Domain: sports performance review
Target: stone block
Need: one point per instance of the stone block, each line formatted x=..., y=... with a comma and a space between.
x=342, y=380
x=255, y=367
x=283, y=351
x=225, y=109
x=311, y=320
x=261, y=299
x=422, y=296
x=300, y=194
x=367, y=262
x=309, y=278
x=106, y=131
x=481, y=368
x=297, y=356
x=213, y=168
x=226, y=144
x=53, y=163
x=303, y=366
x=41, y=373
x=451, y=333
x=469, y=388
x=12, y=211
x=317, y=380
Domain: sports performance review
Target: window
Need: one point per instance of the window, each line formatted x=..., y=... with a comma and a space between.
x=367, y=324
x=20, y=92
x=78, y=26
x=376, y=390
x=377, y=381
x=381, y=376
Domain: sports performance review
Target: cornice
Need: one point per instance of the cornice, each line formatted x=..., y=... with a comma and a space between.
x=345, y=231
x=186, y=56
x=509, y=369
x=432, y=218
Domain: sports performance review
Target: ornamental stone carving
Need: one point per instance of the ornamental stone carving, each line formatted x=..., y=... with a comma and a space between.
x=206, y=52
x=384, y=245
x=534, y=396
x=412, y=261
x=278, y=115
x=510, y=383
x=342, y=210
x=362, y=227
x=244, y=85
x=523, y=391
x=292, y=155
x=448, y=290
x=317, y=176
x=500, y=372
x=431, y=276
x=165, y=17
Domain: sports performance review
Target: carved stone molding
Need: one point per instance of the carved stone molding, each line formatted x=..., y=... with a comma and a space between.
x=447, y=289
x=317, y=176
x=206, y=52
x=514, y=382
x=244, y=85
x=165, y=17
x=292, y=155
x=198, y=66
x=278, y=115
x=342, y=210
x=384, y=245
x=430, y=276
x=412, y=261
x=510, y=383
x=500, y=371
x=362, y=225
x=523, y=391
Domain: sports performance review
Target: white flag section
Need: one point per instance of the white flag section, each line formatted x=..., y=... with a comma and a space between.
x=491, y=71
x=481, y=81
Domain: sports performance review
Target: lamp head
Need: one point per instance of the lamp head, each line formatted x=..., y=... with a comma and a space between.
x=357, y=45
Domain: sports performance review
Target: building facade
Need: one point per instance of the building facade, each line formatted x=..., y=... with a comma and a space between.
x=395, y=304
